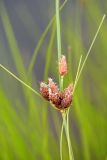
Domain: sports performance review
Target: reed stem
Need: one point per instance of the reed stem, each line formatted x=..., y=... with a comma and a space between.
x=64, y=124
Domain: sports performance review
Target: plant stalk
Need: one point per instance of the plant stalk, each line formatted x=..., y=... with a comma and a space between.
x=66, y=127
x=65, y=123
x=58, y=37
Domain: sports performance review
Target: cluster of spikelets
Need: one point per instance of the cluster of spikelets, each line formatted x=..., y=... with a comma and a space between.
x=60, y=99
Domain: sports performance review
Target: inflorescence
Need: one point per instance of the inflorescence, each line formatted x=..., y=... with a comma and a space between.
x=60, y=99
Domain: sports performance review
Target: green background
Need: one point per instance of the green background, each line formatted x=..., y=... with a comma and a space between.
x=30, y=126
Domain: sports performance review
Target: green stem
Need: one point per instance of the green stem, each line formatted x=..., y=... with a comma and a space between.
x=59, y=56
x=58, y=36
x=61, y=83
x=66, y=126
x=69, y=141
x=76, y=78
x=61, y=136
x=58, y=29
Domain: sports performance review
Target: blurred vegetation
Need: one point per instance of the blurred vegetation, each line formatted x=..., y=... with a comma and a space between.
x=29, y=126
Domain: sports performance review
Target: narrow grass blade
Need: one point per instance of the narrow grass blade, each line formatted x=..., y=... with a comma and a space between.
x=78, y=70
x=93, y=41
x=22, y=82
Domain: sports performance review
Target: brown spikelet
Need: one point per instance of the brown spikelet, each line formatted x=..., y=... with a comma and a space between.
x=54, y=93
x=67, y=97
x=44, y=90
x=62, y=66
x=52, y=85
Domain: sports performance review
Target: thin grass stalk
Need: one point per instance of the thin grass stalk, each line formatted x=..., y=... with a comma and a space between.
x=78, y=69
x=58, y=39
x=59, y=56
x=70, y=146
x=58, y=29
x=61, y=84
x=90, y=48
x=18, y=79
x=64, y=115
x=61, y=138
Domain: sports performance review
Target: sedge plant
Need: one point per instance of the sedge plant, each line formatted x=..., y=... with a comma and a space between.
x=64, y=109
